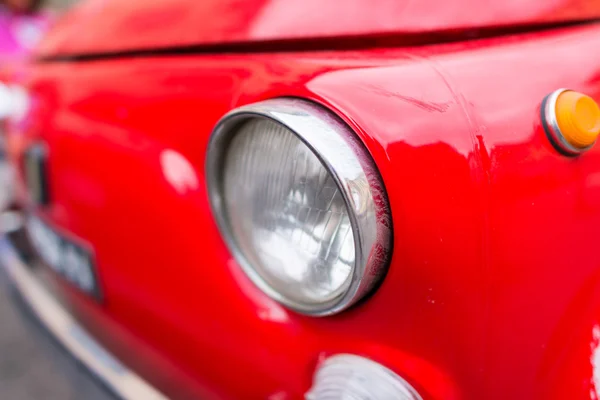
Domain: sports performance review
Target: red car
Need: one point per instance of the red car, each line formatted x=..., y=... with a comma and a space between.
x=278, y=199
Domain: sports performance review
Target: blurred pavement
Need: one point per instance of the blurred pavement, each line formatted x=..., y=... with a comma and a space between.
x=32, y=365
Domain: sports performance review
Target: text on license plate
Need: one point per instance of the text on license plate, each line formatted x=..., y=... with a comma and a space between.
x=68, y=259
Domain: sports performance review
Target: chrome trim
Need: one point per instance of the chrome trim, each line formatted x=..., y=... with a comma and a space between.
x=354, y=171
x=124, y=382
x=553, y=130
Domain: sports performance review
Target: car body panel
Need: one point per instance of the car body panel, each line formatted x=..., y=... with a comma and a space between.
x=99, y=26
x=492, y=291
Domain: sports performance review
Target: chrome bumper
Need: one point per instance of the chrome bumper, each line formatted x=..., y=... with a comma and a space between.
x=122, y=381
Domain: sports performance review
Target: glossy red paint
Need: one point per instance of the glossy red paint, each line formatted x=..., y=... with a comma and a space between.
x=493, y=289
x=116, y=25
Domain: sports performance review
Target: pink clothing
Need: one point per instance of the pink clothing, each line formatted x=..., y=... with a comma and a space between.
x=19, y=33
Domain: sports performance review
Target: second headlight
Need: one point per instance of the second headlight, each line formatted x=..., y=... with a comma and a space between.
x=300, y=204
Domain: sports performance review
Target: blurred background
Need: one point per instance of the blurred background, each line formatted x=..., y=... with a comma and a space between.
x=22, y=24
x=32, y=365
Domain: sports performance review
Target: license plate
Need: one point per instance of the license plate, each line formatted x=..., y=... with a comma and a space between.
x=70, y=260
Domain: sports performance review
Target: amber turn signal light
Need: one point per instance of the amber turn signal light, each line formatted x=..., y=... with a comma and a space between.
x=578, y=118
x=571, y=121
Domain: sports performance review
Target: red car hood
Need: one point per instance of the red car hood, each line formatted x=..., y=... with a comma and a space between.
x=101, y=26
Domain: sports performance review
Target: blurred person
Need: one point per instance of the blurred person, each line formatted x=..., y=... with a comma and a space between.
x=22, y=23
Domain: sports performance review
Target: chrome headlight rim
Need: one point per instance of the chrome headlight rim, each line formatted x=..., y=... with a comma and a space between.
x=351, y=166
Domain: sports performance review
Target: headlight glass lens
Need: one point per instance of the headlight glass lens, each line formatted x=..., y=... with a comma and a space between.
x=286, y=213
x=346, y=376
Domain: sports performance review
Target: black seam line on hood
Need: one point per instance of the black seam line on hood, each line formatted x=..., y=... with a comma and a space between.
x=361, y=42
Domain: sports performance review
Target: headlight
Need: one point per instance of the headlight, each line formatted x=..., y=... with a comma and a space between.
x=300, y=204
x=346, y=376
